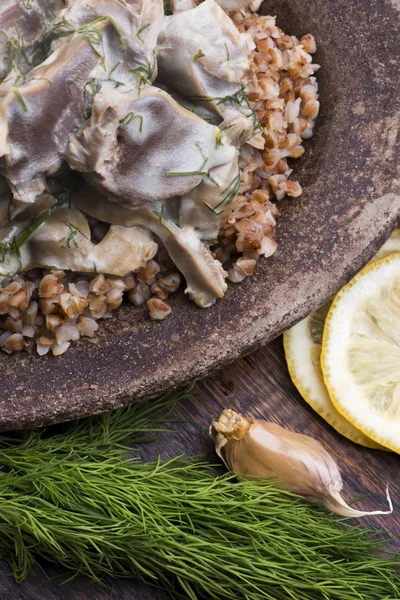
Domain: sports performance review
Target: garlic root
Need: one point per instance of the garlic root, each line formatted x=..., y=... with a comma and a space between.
x=336, y=504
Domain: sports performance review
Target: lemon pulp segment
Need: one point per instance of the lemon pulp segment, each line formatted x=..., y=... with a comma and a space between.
x=302, y=345
x=361, y=351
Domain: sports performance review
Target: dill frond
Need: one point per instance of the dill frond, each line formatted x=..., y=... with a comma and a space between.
x=76, y=498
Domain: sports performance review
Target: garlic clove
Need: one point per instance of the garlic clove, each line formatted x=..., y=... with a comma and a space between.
x=264, y=450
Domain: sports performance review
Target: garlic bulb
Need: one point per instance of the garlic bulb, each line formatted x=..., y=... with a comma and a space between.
x=297, y=462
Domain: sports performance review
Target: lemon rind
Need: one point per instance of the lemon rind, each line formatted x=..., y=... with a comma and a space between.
x=318, y=398
x=331, y=383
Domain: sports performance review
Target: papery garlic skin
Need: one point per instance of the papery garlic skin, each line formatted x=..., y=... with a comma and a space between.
x=264, y=450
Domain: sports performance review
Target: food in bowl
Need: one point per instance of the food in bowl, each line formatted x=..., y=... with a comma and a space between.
x=139, y=149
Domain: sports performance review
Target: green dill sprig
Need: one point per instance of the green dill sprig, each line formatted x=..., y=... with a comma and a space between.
x=5, y=248
x=93, y=86
x=228, y=58
x=186, y=173
x=227, y=195
x=73, y=232
x=94, y=34
x=12, y=248
x=113, y=69
x=211, y=178
x=77, y=499
x=198, y=55
x=34, y=224
x=10, y=206
x=90, y=89
x=238, y=98
x=15, y=53
x=218, y=137
x=140, y=31
x=19, y=61
x=145, y=70
x=14, y=245
x=95, y=38
x=61, y=29
x=90, y=32
x=20, y=98
x=128, y=118
x=167, y=7
x=256, y=124
x=74, y=228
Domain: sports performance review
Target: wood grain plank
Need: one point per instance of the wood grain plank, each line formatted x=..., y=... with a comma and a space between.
x=260, y=385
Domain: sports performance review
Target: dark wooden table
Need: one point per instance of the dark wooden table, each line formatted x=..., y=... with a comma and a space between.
x=259, y=385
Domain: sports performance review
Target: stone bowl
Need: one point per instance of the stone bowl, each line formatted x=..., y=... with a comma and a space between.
x=350, y=204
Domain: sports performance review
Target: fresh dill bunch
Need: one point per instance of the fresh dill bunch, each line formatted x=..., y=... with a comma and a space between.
x=78, y=499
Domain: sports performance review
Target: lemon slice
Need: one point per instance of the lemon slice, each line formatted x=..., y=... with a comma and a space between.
x=302, y=345
x=360, y=356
